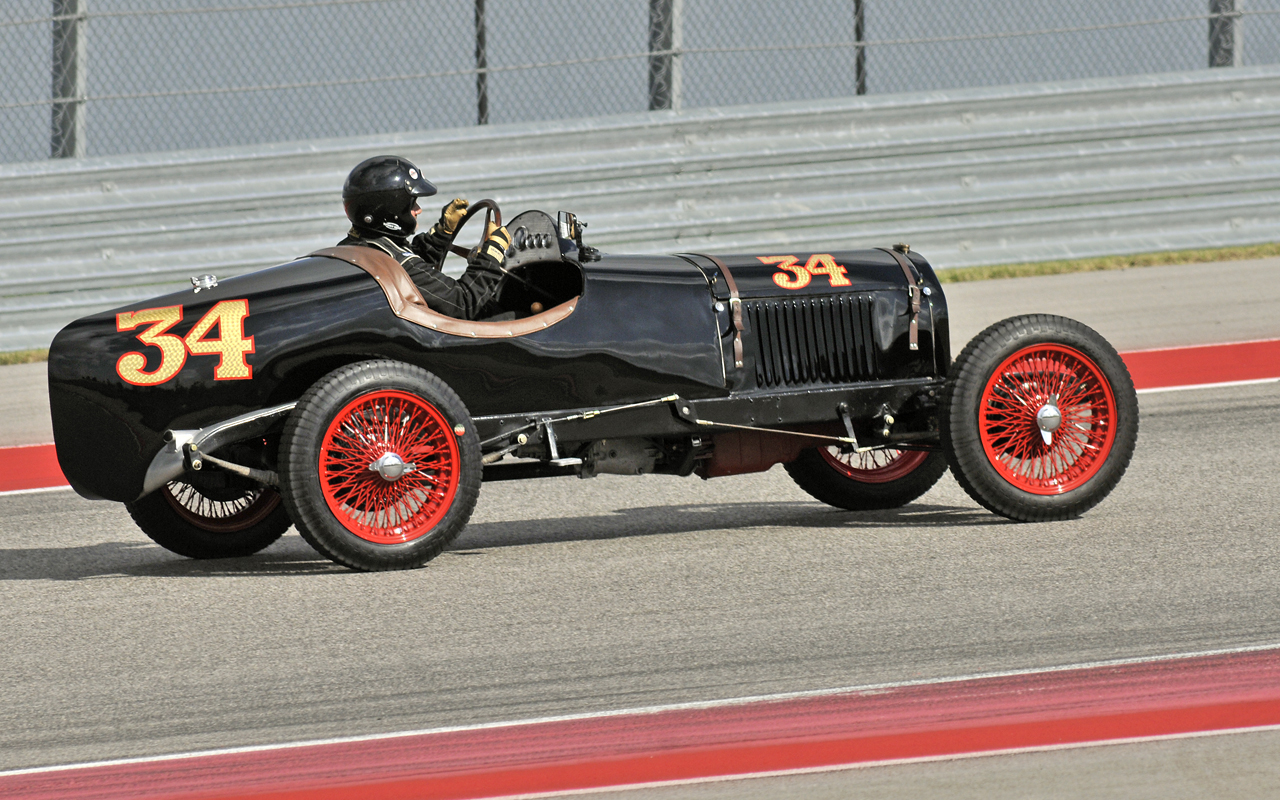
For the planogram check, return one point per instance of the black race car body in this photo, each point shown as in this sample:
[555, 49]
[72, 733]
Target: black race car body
[679, 364]
[641, 328]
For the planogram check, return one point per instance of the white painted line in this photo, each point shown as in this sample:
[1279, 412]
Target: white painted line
[1254, 382]
[705, 704]
[62, 488]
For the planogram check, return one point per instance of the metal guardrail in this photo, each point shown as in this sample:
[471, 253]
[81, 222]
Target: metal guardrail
[974, 176]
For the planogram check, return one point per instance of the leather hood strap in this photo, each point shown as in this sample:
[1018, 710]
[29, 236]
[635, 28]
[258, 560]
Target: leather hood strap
[735, 309]
[913, 290]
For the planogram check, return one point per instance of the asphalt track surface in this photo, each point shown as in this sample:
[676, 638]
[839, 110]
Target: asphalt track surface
[568, 596]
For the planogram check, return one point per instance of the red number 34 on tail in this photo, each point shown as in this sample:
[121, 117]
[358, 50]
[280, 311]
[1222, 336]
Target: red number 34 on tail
[231, 345]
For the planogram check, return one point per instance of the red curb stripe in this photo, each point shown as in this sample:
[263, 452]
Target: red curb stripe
[782, 757]
[1208, 364]
[954, 718]
[29, 467]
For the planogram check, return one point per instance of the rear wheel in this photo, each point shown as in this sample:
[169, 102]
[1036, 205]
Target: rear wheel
[1040, 418]
[211, 522]
[867, 481]
[380, 465]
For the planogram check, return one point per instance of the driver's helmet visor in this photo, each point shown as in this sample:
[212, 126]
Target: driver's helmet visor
[418, 185]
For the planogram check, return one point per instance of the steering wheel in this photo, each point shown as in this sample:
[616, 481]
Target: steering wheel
[491, 212]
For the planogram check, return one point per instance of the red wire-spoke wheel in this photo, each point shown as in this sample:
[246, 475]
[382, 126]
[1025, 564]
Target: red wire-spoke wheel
[221, 513]
[380, 465]
[1039, 418]
[875, 479]
[219, 516]
[874, 466]
[389, 467]
[1048, 419]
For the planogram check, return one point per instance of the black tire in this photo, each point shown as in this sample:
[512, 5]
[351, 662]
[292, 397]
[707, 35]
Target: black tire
[181, 518]
[355, 515]
[993, 443]
[875, 480]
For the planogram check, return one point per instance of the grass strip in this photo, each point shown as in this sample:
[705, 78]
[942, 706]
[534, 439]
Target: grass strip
[964, 274]
[23, 357]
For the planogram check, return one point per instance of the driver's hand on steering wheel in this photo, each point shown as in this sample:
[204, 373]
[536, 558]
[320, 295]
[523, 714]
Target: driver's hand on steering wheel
[450, 216]
[496, 242]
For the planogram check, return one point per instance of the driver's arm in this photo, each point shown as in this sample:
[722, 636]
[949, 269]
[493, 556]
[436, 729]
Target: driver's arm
[433, 245]
[467, 297]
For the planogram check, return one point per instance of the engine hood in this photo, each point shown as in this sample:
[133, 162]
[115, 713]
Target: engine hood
[810, 273]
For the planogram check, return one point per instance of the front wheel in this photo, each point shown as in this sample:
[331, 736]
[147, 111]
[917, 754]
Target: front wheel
[1039, 418]
[876, 479]
[380, 465]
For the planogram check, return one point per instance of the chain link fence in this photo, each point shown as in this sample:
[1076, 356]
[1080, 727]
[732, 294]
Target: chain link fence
[106, 77]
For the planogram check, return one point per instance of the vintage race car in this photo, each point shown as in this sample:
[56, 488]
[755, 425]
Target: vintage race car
[324, 393]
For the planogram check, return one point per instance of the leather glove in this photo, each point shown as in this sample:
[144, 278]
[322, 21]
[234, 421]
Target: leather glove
[496, 242]
[450, 216]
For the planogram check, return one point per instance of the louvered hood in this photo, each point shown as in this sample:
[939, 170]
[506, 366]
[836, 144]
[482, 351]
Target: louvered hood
[815, 319]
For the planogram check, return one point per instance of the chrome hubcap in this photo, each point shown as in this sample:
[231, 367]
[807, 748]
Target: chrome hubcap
[1049, 419]
[391, 467]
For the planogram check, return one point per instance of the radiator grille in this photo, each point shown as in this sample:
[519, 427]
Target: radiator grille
[812, 340]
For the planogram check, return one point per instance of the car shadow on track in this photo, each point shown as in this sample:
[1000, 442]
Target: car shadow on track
[692, 518]
[290, 556]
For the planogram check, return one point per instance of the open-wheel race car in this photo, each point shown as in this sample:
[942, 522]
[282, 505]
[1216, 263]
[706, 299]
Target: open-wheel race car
[324, 393]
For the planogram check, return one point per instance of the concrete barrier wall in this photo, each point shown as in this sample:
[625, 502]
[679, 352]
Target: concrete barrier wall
[976, 176]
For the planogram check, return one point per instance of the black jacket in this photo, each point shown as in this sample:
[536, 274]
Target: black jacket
[470, 297]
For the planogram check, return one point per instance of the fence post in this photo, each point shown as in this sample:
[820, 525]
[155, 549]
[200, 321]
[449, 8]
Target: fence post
[666, 37]
[66, 128]
[482, 66]
[1225, 45]
[859, 36]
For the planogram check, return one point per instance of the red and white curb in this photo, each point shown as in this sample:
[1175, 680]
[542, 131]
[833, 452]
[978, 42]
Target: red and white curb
[35, 467]
[30, 468]
[1171, 368]
[1129, 700]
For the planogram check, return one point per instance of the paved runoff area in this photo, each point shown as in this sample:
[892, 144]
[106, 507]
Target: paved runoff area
[1151, 620]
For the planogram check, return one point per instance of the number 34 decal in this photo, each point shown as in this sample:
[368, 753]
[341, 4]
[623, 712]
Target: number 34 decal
[818, 264]
[231, 345]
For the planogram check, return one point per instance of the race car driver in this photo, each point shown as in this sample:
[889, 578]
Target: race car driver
[381, 200]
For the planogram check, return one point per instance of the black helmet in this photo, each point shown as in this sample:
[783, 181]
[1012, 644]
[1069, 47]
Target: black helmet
[379, 194]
